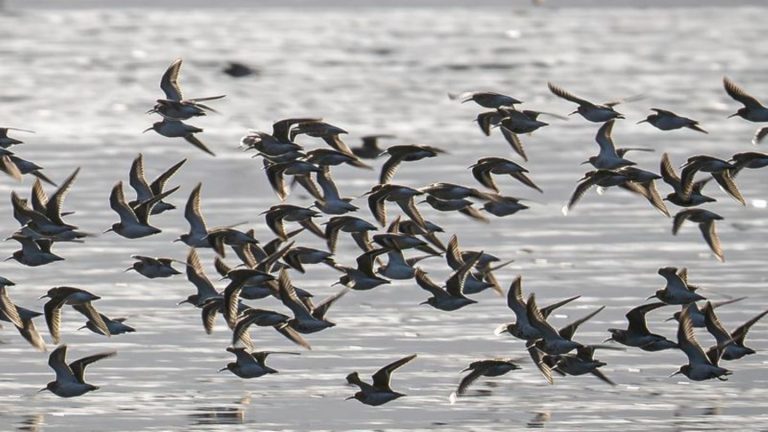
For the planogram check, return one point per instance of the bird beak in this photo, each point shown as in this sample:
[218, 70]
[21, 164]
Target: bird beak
[222, 369]
[669, 319]
[181, 302]
[351, 397]
[733, 115]
[82, 327]
[8, 259]
[128, 269]
[108, 231]
[610, 339]
[675, 374]
[584, 163]
[653, 296]
[575, 112]
[43, 296]
[642, 121]
[423, 303]
[147, 130]
[42, 390]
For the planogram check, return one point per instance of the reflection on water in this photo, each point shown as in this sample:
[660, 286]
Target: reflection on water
[31, 423]
[539, 420]
[217, 416]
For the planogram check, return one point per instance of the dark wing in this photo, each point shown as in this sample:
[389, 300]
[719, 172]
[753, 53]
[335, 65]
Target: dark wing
[538, 359]
[725, 179]
[169, 82]
[78, 366]
[514, 141]
[138, 180]
[469, 379]
[192, 139]
[158, 185]
[547, 310]
[710, 236]
[389, 168]
[740, 333]
[427, 284]
[568, 331]
[193, 214]
[636, 317]
[382, 377]
[567, 96]
[93, 316]
[57, 361]
[740, 95]
[53, 208]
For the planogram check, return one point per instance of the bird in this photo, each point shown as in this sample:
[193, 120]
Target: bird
[697, 315]
[7, 308]
[177, 129]
[33, 252]
[677, 290]
[700, 366]
[134, 222]
[81, 299]
[602, 178]
[380, 391]
[706, 220]
[731, 344]
[607, 159]
[70, 380]
[751, 160]
[277, 215]
[403, 196]
[369, 149]
[753, 110]
[404, 153]
[306, 318]
[27, 328]
[452, 297]
[593, 112]
[486, 99]
[583, 362]
[116, 326]
[667, 120]
[554, 342]
[152, 268]
[175, 106]
[145, 190]
[363, 277]
[332, 203]
[501, 206]
[251, 364]
[6, 141]
[203, 286]
[688, 197]
[637, 333]
[720, 170]
[483, 169]
[487, 368]
[351, 224]
[198, 231]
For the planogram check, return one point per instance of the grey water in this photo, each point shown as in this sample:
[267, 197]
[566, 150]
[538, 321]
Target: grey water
[82, 78]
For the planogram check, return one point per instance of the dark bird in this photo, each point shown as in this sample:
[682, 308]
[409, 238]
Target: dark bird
[70, 381]
[380, 391]
[667, 120]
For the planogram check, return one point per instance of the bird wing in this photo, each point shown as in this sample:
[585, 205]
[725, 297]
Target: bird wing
[687, 339]
[455, 283]
[38, 199]
[547, 311]
[196, 275]
[9, 309]
[118, 204]
[193, 215]
[158, 184]
[725, 179]
[78, 366]
[427, 284]
[740, 333]
[604, 140]
[710, 236]
[192, 139]
[515, 299]
[514, 142]
[321, 308]
[290, 299]
[714, 326]
[679, 218]
[169, 82]
[636, 317]
[53, 207]
[568, 331]
[93, 316]
[389, 168]
[453, 254]
[565, 95]
[381, 378]
[57, 362]
[740, 95]
[476, 373]
[537, 320]
[538, 359]
[138, 181]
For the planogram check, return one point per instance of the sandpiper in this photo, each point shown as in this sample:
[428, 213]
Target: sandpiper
[174, 106]
[731, 344]
[590, 111]
[403, 196]
[177, 129]
[452, 297]
[33, 252]
[720, 170]
[752, 160]
[357, 227]
[380, 391]
[602, 178]
[27, 328]
[488, 368]
[265, 318]
[370, 146]
[152, 268]
[501, 206]
[681, 196]
[583, 362]
[404, 153]
[7, 308]
[70, 379]
[307, 319]
[251, 364]
[753, 110]
[637, 333]
[706, 220]
[332, 203]
[363, 277]
[677, 290]
[483, 169]
[59, 296]
[554, 342]
[697, 315]
[486, 99]
[667, 120]
[116, 326]
[607, 159]
[203, 285]
[134, 222]
[700, 367]
[278, 214]
[144, 190]
[327, 132]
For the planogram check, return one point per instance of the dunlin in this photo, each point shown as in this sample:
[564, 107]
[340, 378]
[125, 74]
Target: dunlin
[667, 120]
[70, 380]
[380, 391]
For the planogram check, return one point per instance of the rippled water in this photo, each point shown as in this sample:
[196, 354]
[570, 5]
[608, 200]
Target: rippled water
[83, 79]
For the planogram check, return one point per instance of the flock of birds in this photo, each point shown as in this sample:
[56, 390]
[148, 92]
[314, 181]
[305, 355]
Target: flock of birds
[265, 267]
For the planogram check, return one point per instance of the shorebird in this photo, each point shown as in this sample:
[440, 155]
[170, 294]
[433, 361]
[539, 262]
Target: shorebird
[116, 326]
[370, 146]
[174, 106]
[198, 231]
[299, 169]
[583, 362]
[403, 196]
[134, 222]
[33, 252]
[76, 297]
[677, 290]
[483, 169]
[731, 344]
[329, 157]
[238, 279]
[46, 219]
[146, 191]
[554, 342]
[706, 220]
[70, 381]
[486, 99]
[307, 318]
[501, 206]
[607, 159]
[643, 183]
[278, 214]
[357, 227]
[363, 277]
[461, 205]
[26, 327]
[6, 141]
[590, 111]
[203, 285]
[332, 203]
[23, 167]
[522, 327]
[682, 197]
[177, 129]
[327, 132]
[264, 318]
[751, 160]
[404, 153]
[700, 366]
[251, 364]
[7, 308]
[602, 178]
[297, 256]
[380, 391]
[753, 110]
[697, 315]
[667, 120]
[637, 333]
[487, 368]
[153, 267]
[456, 260]
[720, 170]
[452, 297]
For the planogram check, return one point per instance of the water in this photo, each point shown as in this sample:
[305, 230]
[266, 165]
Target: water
[83, 78]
